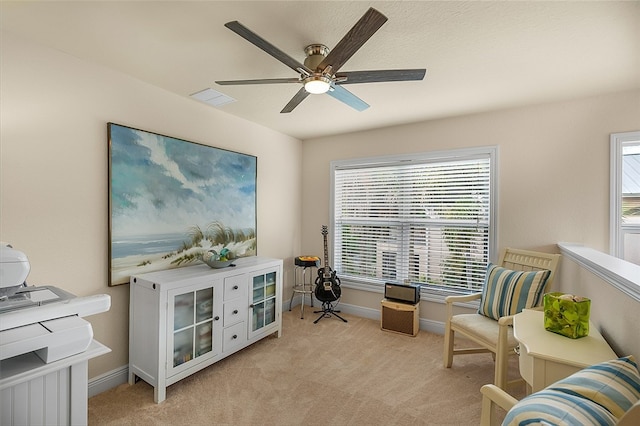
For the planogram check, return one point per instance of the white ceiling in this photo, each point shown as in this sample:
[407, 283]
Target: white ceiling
[479, 56]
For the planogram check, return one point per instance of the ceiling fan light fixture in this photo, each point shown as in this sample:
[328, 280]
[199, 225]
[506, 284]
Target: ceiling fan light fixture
[317, 84]
[319, 71]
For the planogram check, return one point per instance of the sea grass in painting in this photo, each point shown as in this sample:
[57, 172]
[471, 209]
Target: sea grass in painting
[172, 200]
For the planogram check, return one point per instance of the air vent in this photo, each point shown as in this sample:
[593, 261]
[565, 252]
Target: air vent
[212, 97]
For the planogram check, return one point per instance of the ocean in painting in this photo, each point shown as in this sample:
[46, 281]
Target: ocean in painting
[147, 244]
[165, 191]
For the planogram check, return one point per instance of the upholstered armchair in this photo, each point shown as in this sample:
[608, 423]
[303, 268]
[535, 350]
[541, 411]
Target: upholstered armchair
[517, 281]
[603, 394]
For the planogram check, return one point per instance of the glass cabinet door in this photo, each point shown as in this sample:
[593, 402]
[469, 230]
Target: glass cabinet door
[193, 330]
[264, 300]
[204, 317]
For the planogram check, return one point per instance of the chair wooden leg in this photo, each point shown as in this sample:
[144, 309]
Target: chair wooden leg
[492, 399]
[448, 346]
[501, 372]
[502, 363]
[487, 413]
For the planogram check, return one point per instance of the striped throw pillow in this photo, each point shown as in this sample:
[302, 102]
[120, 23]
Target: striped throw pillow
[506, 292]
[596, 395]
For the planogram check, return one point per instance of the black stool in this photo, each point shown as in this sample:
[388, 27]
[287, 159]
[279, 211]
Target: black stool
[304, 274]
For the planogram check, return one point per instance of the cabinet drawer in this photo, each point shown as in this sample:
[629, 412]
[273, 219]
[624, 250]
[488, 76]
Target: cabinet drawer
[233, 336]
[235, 287]
[235, 311]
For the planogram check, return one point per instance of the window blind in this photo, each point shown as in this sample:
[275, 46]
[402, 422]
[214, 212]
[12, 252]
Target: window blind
[423, 222]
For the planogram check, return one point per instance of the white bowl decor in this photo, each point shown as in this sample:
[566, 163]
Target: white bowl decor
[218, 260]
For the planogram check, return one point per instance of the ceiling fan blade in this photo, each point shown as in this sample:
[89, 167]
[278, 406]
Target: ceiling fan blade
[343, 95]
[380, 76]
[263, 44]
[295, 101]
[260, 81]
[370, 22]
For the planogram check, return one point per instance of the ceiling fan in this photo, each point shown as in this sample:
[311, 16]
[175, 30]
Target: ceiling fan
[320, 71]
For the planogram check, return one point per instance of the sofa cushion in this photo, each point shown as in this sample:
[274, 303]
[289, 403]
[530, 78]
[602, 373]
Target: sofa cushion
[507, 292]
[597, 395]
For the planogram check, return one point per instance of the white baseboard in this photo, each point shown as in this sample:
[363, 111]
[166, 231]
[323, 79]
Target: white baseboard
[108, 380]
[431, 326]
[120, 375]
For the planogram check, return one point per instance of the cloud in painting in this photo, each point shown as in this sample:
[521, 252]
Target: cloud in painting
[161, 184]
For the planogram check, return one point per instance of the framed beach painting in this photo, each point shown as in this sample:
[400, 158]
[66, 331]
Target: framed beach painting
[172, 201]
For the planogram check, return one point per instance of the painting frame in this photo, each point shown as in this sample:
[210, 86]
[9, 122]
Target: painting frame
[172, 201]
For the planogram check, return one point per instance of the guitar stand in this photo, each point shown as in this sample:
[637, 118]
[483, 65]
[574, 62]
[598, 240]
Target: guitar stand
[327, 311]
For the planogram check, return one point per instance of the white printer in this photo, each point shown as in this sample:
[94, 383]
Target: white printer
[45, 320]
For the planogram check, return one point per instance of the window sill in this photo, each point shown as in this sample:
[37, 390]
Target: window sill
[623, 275]
[426, 295]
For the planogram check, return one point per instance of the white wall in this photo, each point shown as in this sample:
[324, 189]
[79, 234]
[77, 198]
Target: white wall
[614, 314]
[554, 174]
[553, 179]
[54, 171]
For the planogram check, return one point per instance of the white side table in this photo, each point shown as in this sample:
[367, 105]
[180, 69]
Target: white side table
[547, 357]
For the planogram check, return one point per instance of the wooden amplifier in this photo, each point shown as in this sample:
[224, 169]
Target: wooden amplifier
[400, 318]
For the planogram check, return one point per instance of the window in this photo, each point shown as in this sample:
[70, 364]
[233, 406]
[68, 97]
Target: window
[625, 196]
[422, 218]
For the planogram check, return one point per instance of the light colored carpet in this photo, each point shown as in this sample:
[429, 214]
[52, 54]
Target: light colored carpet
[316, 374]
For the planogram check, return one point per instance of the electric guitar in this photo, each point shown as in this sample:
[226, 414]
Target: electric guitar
[327, 283]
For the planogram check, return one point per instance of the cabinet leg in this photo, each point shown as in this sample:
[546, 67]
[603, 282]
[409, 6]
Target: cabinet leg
[159, 394]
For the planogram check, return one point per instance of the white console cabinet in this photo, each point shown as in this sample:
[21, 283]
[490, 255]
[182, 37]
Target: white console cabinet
[183, 320]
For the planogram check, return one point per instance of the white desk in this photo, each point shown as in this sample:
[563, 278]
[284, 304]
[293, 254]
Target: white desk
[547, 357]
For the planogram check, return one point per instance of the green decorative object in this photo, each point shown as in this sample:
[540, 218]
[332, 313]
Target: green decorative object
[567, 314]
